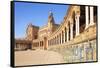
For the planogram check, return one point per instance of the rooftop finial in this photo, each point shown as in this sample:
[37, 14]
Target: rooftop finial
[30, 24]
[50, 13]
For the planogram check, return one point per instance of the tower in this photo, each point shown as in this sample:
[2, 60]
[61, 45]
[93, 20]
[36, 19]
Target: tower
[51, 22]
[32, 32]
[50, 19]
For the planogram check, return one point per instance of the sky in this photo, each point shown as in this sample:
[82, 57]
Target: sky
[37, 14]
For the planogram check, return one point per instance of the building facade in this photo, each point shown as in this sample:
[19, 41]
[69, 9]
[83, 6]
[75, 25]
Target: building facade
[77, 33]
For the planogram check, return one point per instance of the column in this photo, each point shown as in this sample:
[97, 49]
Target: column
[64, 36]
[48, 42]
[71, 31]
[54, 40]
[91, 16]
[61, 37]
[15, 45]
[77, 24]
[57, 39]
[18, 46]
[39, 43]
[67, 34]
[87, 17]
[51, 41]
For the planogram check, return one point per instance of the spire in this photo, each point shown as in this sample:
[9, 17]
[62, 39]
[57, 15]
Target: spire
[50, 13]
[50, 18]
[30, 24]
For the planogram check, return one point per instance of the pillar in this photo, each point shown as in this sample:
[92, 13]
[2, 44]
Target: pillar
[51, 41]
[15, 45]
[77, 24]
[39, 43]
[67, 34]
[61, 37]
[48, 42]
[91, 16]
[87, 17]
[57, 40]
[71, 30]
[64, 36]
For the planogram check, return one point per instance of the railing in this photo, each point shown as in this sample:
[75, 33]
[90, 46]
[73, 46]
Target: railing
[82, 28]
[86, 35]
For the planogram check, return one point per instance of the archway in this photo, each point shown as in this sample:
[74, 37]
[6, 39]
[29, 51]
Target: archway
[82, 19]
[65, 34]
[69, 30]
[29, 46]
[74, 24]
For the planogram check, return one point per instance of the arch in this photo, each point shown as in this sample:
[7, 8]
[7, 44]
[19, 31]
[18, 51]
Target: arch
[69, 30]
[74, 24]
[95, 14]
[65, 34]
[62, 37]
[51, 41]
[82, 19]
[57, 39]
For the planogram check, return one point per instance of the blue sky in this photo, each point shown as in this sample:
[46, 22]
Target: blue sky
[37, 14]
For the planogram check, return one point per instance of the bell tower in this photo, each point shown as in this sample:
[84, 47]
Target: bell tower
[50, 19]
[51, 22]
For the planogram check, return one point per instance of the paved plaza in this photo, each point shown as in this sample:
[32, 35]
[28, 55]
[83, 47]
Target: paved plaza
[36, 57]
